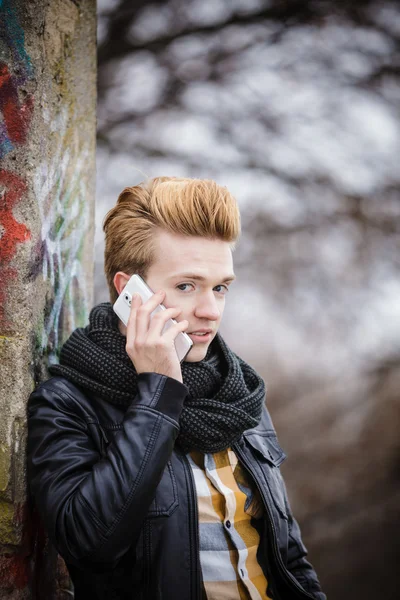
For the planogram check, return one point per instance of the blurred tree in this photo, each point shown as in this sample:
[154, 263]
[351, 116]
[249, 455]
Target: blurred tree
[294, 105]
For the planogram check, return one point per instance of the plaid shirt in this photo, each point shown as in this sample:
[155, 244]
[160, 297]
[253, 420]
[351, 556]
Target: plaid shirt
[228, 541]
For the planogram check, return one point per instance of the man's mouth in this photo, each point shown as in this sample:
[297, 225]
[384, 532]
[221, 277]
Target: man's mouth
[201, 336]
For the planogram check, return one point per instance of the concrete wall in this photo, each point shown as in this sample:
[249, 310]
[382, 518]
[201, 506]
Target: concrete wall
[47, 153]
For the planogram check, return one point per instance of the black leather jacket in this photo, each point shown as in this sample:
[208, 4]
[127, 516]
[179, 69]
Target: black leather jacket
[119, 503]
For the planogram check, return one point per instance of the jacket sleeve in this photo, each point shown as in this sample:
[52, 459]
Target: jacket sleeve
[297, 564]
[92, 506]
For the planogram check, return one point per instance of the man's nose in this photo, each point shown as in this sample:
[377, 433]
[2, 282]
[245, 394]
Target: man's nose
[207, 308]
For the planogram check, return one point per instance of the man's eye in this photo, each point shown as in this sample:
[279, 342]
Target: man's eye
[183, 285]
[224, 289]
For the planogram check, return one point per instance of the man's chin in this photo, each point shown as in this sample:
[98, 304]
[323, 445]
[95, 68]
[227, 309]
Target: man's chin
[197, 353]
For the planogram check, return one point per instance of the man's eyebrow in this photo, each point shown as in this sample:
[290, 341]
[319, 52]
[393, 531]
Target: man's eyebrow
[199, 277]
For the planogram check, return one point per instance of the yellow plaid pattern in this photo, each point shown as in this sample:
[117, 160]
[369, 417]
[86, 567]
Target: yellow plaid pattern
[228, 541]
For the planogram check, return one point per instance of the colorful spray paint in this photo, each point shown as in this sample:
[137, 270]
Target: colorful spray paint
[61, 191]
[47, 149]
[14, 127]
[12, 190]
[16, 113]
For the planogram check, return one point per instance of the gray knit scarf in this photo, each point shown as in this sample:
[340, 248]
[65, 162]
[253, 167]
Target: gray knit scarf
[225, 396]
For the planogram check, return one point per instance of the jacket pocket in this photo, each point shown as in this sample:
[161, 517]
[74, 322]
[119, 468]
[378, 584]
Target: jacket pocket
[166, 498]
[270, 456]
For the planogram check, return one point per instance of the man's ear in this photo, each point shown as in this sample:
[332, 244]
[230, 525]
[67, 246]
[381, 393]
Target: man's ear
[120, 280]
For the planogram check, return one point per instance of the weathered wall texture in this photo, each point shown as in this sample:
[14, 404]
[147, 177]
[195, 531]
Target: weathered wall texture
[47, 150]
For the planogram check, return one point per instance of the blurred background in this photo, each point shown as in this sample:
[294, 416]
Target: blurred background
[294, 106]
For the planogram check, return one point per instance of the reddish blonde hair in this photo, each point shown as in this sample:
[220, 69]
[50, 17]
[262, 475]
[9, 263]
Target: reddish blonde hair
[193, 207]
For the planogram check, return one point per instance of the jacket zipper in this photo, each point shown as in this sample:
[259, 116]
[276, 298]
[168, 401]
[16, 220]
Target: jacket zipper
[194, 526]
[146, 557]
[287, 576]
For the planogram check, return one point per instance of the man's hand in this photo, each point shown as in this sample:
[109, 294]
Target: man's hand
[149, 349]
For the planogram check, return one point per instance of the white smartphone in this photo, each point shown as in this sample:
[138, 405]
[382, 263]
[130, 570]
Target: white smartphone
[122, 307]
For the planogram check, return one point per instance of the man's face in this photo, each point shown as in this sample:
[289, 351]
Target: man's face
[195, 274]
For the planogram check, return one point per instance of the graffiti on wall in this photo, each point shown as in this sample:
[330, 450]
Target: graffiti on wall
[12, 189]
[17, 114]
[57, 185]
[16, 103]
[16, 108]
[60, 189]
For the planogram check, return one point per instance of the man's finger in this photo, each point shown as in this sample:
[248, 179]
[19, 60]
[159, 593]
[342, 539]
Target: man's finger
[131, 325]
[159, 320]
[175, 329]
[144, 312]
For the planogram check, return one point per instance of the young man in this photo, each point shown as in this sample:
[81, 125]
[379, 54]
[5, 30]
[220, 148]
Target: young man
[156, 479]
